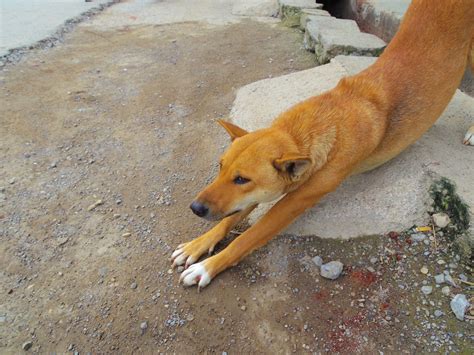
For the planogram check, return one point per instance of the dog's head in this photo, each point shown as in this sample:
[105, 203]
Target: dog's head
[258, 167]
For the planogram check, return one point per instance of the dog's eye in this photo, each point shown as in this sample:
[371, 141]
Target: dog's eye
[239, 180]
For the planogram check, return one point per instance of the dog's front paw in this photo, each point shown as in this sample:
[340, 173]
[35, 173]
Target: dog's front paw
[196, 274]
[469, 137]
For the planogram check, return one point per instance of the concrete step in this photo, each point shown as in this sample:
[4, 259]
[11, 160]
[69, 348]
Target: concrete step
[393, 197]
[306, 14]
[329, 37]
[290, 10]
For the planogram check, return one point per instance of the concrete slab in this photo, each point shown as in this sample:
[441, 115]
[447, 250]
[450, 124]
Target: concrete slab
[392, 197]
[306, 15]
[330, 37]
[290, 10]
[25, 22]
[256, 8]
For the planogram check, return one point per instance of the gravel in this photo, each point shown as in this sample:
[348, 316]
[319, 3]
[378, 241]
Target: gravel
[331, 270]
[439, 279]
[318, 261]
[441, 220]
[27, 345]
[459, 305]
[427, 289]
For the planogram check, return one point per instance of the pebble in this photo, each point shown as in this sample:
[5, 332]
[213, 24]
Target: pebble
[27, 345]
[243, 308]
[318, 261]
[438, 313]
[190, 318]
[418, 237]
[373, 260]
[95, 204]
[449, 280]
[424, 270]
[180, 269]
[446, 290]
[11, 182]
[125, 235]
[144, 325]
[441, 220]
[459, 305]
[462, 277]
[133, 286]
[331, 270]
[439, 279]
[427, 289]
[441, 262]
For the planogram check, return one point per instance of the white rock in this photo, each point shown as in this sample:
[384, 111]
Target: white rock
[439, 279]
[427, 289]
[331, 270]
[441, 220]
[459, 305]
[318, 261]
[446, 290]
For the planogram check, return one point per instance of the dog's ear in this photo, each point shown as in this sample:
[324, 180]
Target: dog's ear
[293, 166]
[233, 130]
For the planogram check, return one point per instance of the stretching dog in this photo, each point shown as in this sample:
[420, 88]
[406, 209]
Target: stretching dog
[366, 120]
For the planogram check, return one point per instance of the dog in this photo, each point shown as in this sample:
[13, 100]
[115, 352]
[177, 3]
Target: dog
[365, 121]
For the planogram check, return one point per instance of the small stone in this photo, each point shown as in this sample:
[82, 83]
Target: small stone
[331, 270]
[11, 182]
[446, 290]
[373, 260]
[424, 270]
[243, 308]
[449, 280]
[438, 313]
[190, 318]
[180, 269]
[27, 345]
[439, 279]
[95, 204]
[418, 237]
[143, 326]
[441, 220]
[459, 305]
[462, 277]
[318, 261]
[427, 289]
[133, 286]
[125, 235]
[441, 262]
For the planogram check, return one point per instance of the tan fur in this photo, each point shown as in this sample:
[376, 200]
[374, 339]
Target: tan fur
[365, 121]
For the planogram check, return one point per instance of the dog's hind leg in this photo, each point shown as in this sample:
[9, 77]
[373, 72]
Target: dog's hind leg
[188, 253]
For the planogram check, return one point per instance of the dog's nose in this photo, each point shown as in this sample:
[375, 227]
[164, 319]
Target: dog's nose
[199, 209]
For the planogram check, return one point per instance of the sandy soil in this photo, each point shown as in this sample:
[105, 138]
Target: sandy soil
[127, 117]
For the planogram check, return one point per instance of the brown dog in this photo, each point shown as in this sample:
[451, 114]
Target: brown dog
[310, 149]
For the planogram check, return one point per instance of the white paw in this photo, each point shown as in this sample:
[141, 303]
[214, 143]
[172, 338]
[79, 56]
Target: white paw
[195, 274]
[180, 257]
[469, 137]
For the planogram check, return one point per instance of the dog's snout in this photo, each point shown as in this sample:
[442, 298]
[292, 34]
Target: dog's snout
[199, 209]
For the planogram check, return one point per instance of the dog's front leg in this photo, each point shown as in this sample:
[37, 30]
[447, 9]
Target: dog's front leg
[188, 253]
[279, 217]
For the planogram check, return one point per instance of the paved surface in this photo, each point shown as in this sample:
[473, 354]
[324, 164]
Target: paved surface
[25, 22]
[392, 197]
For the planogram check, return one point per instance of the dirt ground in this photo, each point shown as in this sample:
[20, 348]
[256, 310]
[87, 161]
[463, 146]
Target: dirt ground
[105, 140]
